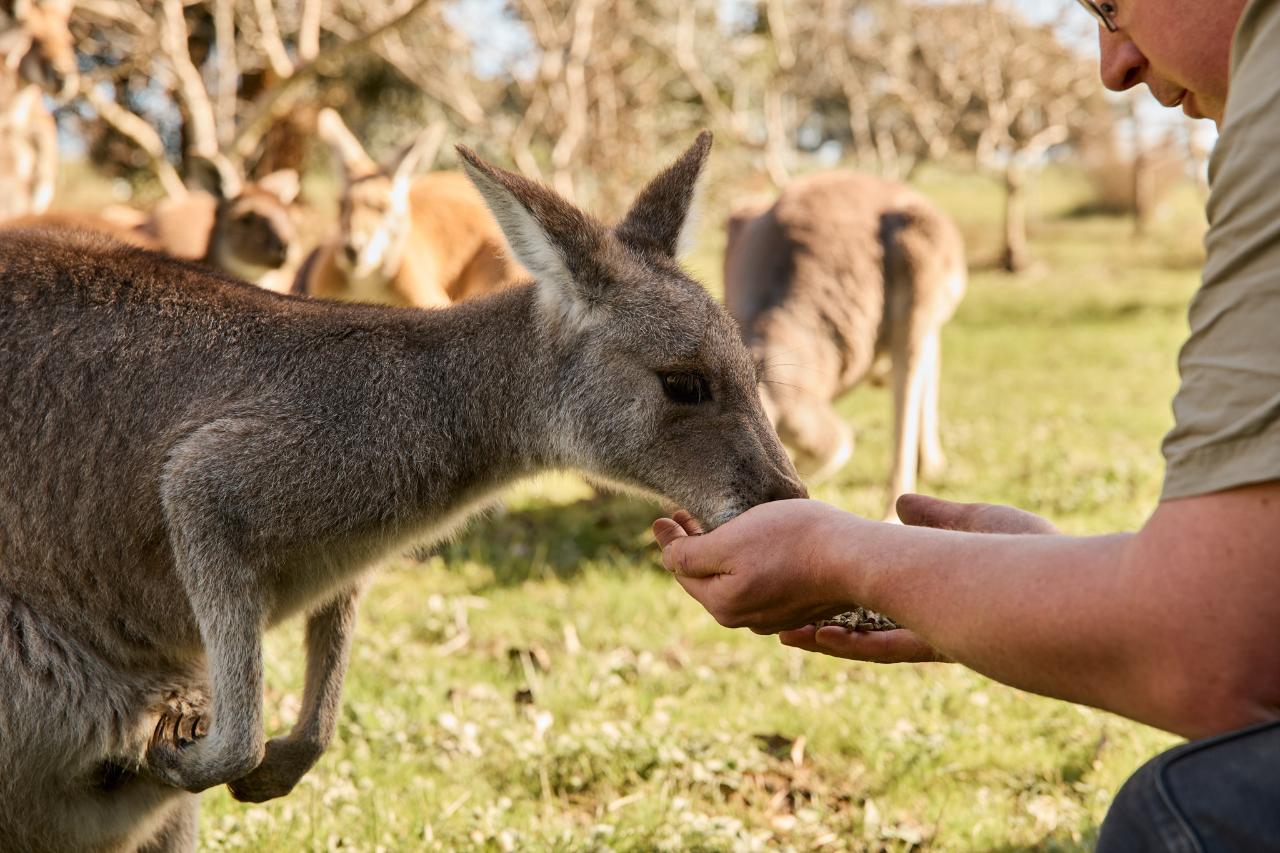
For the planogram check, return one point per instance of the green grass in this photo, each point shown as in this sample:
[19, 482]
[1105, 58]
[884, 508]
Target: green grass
[542, 684]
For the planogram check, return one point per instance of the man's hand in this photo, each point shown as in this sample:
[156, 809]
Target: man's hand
[766, 570]
[924, 511]
[897, 646]
[902, 645]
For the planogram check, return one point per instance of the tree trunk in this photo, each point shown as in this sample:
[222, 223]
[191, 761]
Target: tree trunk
[1014, 258]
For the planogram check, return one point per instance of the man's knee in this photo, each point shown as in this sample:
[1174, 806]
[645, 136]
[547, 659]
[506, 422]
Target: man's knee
[1216, 794]
[1140, 818]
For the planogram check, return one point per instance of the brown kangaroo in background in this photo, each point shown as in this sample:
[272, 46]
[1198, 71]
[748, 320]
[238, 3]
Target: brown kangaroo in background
[61, 221]
[427, 241]
[186, 460]
[841, 272]
[241, 227]
[248, 235]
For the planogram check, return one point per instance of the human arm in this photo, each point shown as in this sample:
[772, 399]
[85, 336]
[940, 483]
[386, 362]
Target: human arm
[1177, 626]
[902, 645]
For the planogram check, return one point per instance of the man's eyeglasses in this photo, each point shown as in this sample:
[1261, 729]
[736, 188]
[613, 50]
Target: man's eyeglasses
[1104, 12]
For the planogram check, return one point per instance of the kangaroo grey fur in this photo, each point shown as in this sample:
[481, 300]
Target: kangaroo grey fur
[842, 272]
[186, 460]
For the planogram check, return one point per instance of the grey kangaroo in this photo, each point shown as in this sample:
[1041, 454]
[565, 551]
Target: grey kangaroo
[186, 460]
[842, 273]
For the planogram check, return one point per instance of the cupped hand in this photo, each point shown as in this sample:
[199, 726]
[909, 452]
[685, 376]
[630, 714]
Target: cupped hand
[767, 570]
[897, 646]
[902, 645]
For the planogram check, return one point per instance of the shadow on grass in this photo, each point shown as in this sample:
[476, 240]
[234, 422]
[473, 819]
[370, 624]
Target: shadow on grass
[558, 540]
[1076, 314]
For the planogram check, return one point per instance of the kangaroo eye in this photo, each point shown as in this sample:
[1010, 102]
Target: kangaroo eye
[685, 388]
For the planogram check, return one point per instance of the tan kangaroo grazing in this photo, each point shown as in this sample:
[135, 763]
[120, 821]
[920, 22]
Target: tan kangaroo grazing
[841, 272]
[244, 228]
[186, 460]
[427, 241]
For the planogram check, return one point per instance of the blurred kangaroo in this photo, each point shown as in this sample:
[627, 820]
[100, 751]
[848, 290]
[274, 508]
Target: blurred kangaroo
[427, 241]
[241, 227]
[62, 221]
[187, 460]
[248, 235]
[37, 54]
[844, 271]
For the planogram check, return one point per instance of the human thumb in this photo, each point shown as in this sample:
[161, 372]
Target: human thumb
[685, 555]
[926, 511]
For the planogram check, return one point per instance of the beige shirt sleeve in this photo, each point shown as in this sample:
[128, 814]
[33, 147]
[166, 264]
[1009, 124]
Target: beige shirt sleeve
[1227, 411]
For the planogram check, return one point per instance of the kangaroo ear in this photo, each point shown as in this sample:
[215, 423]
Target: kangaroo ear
[346, 149]
[215, 175]
[283, 184]
[661, 216]
[555, 241]
[418, 154]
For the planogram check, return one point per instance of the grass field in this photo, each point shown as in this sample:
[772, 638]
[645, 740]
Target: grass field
[542, 684]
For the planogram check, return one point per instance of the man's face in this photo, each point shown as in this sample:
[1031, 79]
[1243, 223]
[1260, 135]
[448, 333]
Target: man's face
[1180, 48]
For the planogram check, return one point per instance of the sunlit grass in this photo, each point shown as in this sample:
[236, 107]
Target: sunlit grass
[541, 684]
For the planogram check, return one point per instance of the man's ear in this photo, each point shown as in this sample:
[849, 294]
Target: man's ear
[560, 245]
[661, 217]
[346, 149]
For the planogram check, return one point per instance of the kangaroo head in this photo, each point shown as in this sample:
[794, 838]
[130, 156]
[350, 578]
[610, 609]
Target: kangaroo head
[373, 214]
[253, 227]
[36, 41]
[656, 391]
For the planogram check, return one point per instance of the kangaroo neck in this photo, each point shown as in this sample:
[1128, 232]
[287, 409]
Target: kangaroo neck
[485, 386]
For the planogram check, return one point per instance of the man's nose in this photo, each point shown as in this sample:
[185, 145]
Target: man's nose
[1121, 63]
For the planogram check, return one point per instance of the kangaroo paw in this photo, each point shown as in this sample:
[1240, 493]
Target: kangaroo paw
[180, 725]
[286, 761]
[183, 754]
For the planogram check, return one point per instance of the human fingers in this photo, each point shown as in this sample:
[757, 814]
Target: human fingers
[666, 531]
[686, 553]
[926, 511]
[896, 646]
[688, 522]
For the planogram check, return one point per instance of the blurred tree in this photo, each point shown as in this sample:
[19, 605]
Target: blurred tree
[218, 79]
[590, 95]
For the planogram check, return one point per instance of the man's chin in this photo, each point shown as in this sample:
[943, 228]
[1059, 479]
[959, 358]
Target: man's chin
[1190, 107]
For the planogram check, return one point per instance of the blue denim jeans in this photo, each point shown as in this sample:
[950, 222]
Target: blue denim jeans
[1217, 794]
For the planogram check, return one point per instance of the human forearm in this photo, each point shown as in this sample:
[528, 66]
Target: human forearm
[1106, 621]
[1177, 626]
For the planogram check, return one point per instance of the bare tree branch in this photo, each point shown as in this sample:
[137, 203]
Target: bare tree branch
[576, 96]
[137, 131]
[191, 88]
[309, 31]
[271, 41]
[255, 123]
[228, 69]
